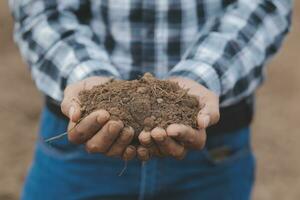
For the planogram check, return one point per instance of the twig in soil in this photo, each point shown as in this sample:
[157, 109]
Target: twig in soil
[124, 168]
[153, 91]
[57, 137]
[76, 101]
[163, 90]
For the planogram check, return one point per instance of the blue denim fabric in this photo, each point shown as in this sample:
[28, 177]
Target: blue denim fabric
[62, 171]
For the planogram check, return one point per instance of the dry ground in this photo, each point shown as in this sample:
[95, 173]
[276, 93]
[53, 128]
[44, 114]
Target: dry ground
[275, 131]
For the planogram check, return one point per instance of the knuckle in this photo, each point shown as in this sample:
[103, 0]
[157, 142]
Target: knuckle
[117, 124]
[95, 127]
[93, 148]
[122, 141]
[75, 137]
[119, 152]
[79, 132]
[113, 153]
[113, 127]
[121, 124]
[107, 138]
[127, 134]
[181, 155]
[143, 154]
[102, 117]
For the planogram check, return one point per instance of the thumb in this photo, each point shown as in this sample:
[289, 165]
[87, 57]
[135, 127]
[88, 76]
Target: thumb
[208, 115]
[74, 112]
[70, 104]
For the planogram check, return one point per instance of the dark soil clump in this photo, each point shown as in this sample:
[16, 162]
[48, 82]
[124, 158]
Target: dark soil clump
[142, 104]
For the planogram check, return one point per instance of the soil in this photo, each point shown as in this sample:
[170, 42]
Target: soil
[142, 104]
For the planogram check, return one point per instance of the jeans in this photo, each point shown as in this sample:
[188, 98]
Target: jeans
[224, 170]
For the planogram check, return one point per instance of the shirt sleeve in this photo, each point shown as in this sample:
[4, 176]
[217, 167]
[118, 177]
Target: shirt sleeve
[229, 57]
[58, 44]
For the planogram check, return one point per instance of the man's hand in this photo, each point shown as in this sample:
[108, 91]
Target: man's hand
[96, 131]
[178, 138]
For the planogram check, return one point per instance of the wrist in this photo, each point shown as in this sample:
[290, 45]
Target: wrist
[200, 72]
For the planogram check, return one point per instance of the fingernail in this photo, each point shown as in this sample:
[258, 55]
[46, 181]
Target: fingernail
[206, 120]
[71, 112]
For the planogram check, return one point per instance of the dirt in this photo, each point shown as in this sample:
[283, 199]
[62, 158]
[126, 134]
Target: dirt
[275, 129]
[142, 104]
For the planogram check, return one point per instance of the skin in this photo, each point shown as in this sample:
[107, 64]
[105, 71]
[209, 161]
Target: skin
[177, 139]
[96, 131]
[111, 138]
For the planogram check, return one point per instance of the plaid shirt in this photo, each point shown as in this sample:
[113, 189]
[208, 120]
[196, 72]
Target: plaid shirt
[222, 44]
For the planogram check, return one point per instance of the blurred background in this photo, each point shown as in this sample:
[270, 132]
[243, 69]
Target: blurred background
[276, 129]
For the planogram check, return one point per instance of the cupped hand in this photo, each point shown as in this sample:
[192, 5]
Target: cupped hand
[177, 139]
[96, 131]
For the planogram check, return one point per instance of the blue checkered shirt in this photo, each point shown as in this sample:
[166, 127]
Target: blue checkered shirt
[222, 44]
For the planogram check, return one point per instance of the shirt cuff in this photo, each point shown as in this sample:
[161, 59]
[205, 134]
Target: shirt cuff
[199, 72]
[92, 68]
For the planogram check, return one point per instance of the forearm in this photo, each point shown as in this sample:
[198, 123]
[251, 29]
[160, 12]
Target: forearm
[58, 48]
[229, 58]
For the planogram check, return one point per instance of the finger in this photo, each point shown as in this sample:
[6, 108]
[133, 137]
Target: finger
[71, 125]
[145, 138]
[209, 114]
[70, 105]
[129, 153]
[122, 142]
[203, 120]
[155, 151]
[143, 153]
[147, 141]
[167, 144]
[190, 137]
[88, 127]
[103, 139]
